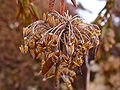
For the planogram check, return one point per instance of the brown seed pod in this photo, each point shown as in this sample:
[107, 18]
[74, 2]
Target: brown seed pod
[62, 42]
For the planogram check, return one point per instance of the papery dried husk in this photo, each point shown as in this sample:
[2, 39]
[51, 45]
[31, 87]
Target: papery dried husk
[61, 42]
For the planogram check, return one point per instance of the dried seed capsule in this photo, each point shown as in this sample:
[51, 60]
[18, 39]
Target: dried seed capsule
[44, 17]
[25, 49]
[32, 52]
[21, 48]
[26, 31]
[60, 39]
[32, 43]
[38, 55]
[72, 73]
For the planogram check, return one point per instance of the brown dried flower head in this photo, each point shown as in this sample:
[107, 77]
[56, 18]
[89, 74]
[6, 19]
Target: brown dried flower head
[60, 43]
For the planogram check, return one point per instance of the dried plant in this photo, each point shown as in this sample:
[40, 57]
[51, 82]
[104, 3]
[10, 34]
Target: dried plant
[105, 21]
[60, 43]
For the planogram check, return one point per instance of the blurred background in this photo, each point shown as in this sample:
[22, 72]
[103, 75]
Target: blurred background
[19, 72]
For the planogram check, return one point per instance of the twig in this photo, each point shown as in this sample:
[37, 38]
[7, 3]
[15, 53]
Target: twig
[88, 71]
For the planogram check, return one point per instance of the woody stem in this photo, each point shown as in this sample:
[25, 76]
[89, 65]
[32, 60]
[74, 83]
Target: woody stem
[51, 5]
[62, 7]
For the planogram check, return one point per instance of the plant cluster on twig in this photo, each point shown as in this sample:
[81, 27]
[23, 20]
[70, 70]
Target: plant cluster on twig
[60, 42]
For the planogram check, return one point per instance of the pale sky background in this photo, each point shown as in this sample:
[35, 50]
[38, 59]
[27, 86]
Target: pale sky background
[93, 5]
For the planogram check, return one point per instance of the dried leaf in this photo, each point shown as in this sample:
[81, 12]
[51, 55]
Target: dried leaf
[32, 43]
[44, 17]
[26, 32]
[21, 48]
[26, 49]
[78, 62]
[32, 52]
[46, 67]
[57, 73]
[38, 55]
[71, 49]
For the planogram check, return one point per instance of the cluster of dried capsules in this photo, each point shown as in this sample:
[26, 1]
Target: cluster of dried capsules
[60, 43]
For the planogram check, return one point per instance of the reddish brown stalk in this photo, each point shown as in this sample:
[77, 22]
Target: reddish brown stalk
[51, 5]
[62, 7]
